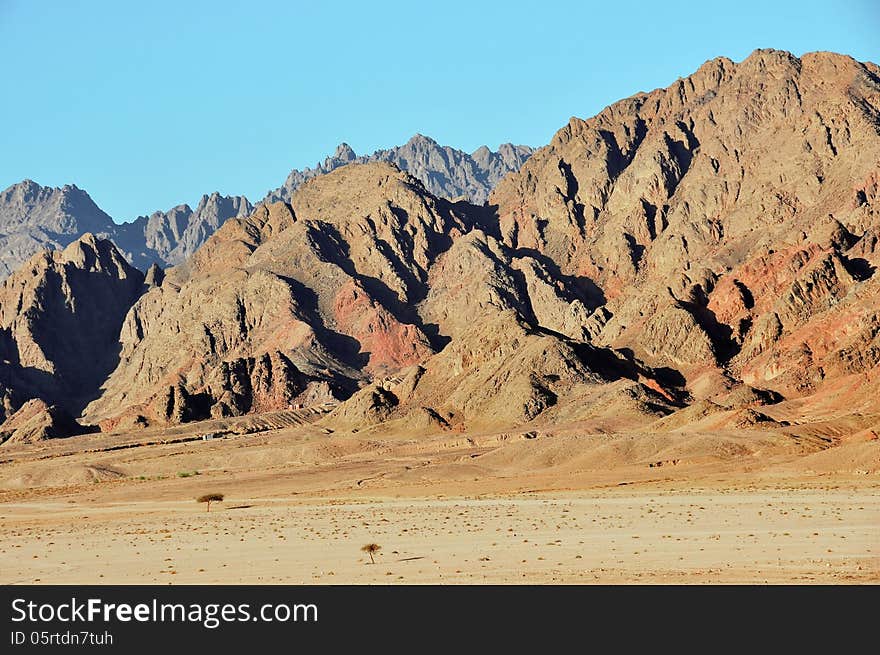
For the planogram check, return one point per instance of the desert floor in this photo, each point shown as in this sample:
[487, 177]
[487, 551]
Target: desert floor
[567, 508]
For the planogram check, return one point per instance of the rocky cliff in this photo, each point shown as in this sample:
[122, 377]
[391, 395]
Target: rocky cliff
[728, 221]
[60, 316]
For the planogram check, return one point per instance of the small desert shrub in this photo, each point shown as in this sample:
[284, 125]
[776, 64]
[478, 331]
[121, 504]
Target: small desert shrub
[370, 549]
[186, 474]
[210, 498]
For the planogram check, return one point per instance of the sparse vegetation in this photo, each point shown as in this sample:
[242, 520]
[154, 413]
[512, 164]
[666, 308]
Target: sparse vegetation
[186, 474]
[371, 549]
[210, 498]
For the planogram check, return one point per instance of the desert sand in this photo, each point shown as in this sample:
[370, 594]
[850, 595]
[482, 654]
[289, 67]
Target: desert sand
[532, 508]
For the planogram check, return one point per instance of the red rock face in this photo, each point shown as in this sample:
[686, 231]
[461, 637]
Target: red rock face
[752, 289]
[389, 344]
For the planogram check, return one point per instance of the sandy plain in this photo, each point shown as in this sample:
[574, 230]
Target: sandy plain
[569, 507]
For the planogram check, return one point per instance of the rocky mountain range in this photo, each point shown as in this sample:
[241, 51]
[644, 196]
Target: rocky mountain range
[690, 254]
[168, 238]
[445, 172]
[33, 217]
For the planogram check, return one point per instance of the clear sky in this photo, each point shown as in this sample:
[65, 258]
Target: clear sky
[150, 104]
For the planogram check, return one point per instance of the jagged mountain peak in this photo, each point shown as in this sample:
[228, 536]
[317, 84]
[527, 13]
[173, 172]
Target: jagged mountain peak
[34, 217]
[421, 139]
[445, 171]
[344, 152]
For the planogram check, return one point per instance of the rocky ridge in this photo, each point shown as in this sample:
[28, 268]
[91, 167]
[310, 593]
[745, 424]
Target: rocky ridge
[728, 220]
[60, 316]
[33, 217]
[445, 171]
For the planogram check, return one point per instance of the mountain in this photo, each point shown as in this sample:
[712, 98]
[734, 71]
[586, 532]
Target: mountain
[34, 218]
[60, 316]
[685, 257]
[168, 238]
[359, 279]
[445, 172]
[730, 221]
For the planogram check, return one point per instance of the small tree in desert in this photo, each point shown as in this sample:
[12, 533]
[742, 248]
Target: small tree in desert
[209, 498]
[371, 549]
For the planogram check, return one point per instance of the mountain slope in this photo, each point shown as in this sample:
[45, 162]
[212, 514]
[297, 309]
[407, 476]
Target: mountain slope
[354, 282]
[730, 221]
[60, 316]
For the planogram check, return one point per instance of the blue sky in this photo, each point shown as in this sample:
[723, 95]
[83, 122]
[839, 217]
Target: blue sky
[150, 104]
